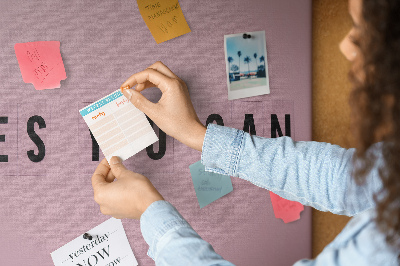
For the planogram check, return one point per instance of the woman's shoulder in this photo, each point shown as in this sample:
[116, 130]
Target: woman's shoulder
[363, 238]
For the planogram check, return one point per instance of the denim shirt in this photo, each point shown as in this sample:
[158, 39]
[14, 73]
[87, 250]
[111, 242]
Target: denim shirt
[312, 173]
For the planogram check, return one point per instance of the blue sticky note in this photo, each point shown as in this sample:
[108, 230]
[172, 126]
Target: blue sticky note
[209, 186]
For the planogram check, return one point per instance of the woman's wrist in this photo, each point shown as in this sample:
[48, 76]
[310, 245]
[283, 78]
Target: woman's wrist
[196, 136]
[201, 135]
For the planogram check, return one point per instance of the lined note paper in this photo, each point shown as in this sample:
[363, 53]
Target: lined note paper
[118, 126]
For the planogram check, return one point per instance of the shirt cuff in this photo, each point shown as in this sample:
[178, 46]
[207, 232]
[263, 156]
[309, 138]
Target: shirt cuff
[222, 148]
[159, 218]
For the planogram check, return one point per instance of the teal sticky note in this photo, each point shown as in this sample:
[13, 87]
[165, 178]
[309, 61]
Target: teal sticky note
[209, 186]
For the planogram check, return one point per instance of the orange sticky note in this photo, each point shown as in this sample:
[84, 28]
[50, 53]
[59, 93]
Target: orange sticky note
[41, 64]
[164, 18]
[284, 209]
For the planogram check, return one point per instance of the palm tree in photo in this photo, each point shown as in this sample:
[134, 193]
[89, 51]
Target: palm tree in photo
[230, 60]
[247, 60]
[239, 55]
[255, 58]
[262, 59]
[261, 68]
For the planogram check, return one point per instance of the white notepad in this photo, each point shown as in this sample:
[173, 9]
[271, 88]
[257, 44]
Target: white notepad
[108, 246]
[118, 126]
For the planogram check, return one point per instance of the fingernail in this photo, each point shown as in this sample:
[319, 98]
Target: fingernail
[129, 92]
[125, 88]
[115, 160]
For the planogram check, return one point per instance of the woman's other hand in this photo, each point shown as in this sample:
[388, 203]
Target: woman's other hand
[128, 196]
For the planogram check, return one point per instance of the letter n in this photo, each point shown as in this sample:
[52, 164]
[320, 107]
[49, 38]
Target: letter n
[275, 126]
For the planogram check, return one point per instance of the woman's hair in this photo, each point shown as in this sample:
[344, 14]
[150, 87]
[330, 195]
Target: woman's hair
[375, 103]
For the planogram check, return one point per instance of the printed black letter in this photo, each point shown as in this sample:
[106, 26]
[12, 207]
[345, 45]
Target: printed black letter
[3, 120]
[162, 145]
[215, 117]
[249, 126]
[276, 127]
[35, 138]
[95, 148]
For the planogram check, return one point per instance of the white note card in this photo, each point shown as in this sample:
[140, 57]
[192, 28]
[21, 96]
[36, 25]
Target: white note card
[118, 126]
[109, 247]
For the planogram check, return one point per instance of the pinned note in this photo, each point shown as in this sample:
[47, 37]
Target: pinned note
[108, 245]
[288, 211]
[41, 64]
[164, 18]
[209, 186]
[118, 126]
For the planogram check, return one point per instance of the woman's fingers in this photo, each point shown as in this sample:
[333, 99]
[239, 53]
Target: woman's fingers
[157, 66]
[110, 177]
[143, 86]
[174, 111]
[159, 80]
[160, 67]
[141, 102]
[100, 174]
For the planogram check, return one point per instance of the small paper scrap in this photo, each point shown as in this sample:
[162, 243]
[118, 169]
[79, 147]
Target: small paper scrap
[118, 126]
[108, 246]
[164, 19]
[209, 186]
[288, 211]
[41, 64]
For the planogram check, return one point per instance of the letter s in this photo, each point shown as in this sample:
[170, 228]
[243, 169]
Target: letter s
[35, 138]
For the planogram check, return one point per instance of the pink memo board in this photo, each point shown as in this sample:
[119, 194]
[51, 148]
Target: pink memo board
[45, 204]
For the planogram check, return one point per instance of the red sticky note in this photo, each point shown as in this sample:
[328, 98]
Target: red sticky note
[41, 64]
[284, 209]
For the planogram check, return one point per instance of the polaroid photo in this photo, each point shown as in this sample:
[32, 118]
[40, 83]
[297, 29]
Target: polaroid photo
[246, 64]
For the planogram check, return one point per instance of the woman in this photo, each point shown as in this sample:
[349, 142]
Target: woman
[316, 174]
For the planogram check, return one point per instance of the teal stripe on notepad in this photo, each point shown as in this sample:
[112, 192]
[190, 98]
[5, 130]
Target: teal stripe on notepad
[100, 103]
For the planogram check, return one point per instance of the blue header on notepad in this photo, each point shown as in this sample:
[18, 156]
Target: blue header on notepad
[102, 102]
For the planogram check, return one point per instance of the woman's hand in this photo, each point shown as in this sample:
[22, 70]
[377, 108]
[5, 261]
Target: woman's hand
[127, 197]
[174, 112]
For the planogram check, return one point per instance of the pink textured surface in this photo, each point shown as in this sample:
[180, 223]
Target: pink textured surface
[46, 204]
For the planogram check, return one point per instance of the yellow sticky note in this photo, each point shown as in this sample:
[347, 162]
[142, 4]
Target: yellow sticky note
[164, 18]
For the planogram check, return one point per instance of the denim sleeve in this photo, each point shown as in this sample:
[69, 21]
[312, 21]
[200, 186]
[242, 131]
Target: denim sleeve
[172, 241]
[315, 174]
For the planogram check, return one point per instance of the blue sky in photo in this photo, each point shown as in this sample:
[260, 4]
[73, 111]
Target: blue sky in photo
[248, 47]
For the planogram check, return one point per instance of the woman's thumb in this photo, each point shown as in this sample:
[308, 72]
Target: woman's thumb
[116, 166]
[138, 100]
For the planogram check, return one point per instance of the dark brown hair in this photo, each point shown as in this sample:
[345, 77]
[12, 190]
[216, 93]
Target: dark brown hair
[375, 103]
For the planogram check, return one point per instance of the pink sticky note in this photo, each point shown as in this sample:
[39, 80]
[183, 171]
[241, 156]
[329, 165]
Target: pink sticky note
[284, 209]
[41, 64]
